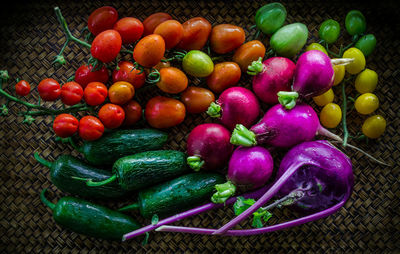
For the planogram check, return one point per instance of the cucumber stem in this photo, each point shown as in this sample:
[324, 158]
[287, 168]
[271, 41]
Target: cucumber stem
[46, 201]
[43, 161]
[241, 136]
[134, 206]
[101, 183]
[214, 110]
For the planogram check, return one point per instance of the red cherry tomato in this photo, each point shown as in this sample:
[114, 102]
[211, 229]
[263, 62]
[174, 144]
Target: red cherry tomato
[172, 80]
[149, 51]
[225, 38]
[164, 112]
[90, 128]
[71, 93]
[225, 75]
[65, 125]
[171, 31]
[133, 113]
[247, 53]
[102, 19]
[128, 73]
[197, 99]
[130, 29]
[84, 75]
[22, 88]
[95, 93]
[49, 89]
[111, 115]
[152, 21]
[106, 46]
[195, 33]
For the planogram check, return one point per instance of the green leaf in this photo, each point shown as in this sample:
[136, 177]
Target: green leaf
[259, 216]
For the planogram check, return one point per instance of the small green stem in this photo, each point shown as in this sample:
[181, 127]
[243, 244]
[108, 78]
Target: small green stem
[287, 99]
[126, 51]
[45, 201]
[224, 191]
[195, 162]
[153, 77]
[344, 108]
[134, 206]
[242, 136]
[42, 161]
[255, 67]
[214, 110]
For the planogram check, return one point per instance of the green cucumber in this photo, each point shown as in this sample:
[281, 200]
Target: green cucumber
[90, 219]
[144, 169]
[176, 195]
[65, 170]
[116, 144]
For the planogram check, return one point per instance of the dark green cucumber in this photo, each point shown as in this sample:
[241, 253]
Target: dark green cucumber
[176, 195]
[116, 144]
[90, 219]
[65, 170]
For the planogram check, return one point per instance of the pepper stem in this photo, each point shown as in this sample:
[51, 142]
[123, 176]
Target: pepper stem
[241, 136]
[43, 161]
[214, 110]
[287, 99]
[46, 201]
[90, 183]
[195, 162]
[255, 67]
[224, 191]
[130, 207]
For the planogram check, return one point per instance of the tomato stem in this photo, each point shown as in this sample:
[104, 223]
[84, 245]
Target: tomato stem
[153, 77]
[344, 124]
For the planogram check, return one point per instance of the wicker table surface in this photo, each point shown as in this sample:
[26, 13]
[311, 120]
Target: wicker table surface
[30, 36]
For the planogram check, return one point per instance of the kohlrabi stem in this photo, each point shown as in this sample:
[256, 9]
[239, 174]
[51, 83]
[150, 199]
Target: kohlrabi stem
[130, 207]
[214, 110]
[46, 201]
[342, 61]
[195, 162]
[324, 132]
[344, 108]
[288, 99]
[42, 161]
[241, 136]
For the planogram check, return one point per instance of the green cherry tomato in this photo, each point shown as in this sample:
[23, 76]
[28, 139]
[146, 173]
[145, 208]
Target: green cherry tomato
[366, 103]
[270, 17]
[366, 44]
[374, 126]
[366, 81]
[329, 31]
[289, 39]
[355, 22]
[316, 46]
[197, 64]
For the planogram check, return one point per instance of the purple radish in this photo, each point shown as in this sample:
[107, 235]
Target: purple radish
[273, 75]
[236, 105]
[313, 76]
[281, 127]
[314, 176]
[208, 147]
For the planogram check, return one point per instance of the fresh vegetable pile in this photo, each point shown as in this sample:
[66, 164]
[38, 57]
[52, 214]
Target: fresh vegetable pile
[101, 113]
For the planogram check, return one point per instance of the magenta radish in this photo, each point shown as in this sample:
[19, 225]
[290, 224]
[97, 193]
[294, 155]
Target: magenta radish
[248, 166]
[313, 76]
[236, 105]
[281, 127]
[273, 75]
[208, 147]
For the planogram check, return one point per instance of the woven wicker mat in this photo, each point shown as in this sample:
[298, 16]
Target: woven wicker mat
[29, 39]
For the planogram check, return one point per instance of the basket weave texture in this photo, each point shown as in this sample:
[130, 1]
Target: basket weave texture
[30, 37]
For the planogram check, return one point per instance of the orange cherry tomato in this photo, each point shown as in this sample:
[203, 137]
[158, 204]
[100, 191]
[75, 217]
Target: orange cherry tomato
[225, 75]
[106, 46]
[121, 92]
[149, 50]
[127, 72]
[49, 89]
[171, 31]
[152, 21]
[197, 99]
[226, 38]
[95, 93]
[22, 88]
[163, 112]
[130, 29]
[133, 113]
[65, 125]
[172, 80]
[111, 115]
[247, 53]
[90, 128]
[195, 33]
[71, 93]
[102, 19]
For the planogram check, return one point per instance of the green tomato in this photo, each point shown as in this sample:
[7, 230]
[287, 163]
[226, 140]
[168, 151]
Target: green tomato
[270, 17]
[355, 23]
[316, 46]
[198, 64]
[329, 31]
[289, 39]
[366, 44]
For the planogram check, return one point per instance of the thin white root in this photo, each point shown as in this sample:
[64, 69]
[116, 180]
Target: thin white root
[342, 61]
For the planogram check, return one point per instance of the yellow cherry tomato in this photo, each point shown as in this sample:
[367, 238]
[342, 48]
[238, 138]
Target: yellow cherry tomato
[366, 81]
[325, 98]
[339, 74]
[359, 60]
[366, 103]
[316, 46]
[374, 126]
[331, 115]
[121, 92]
